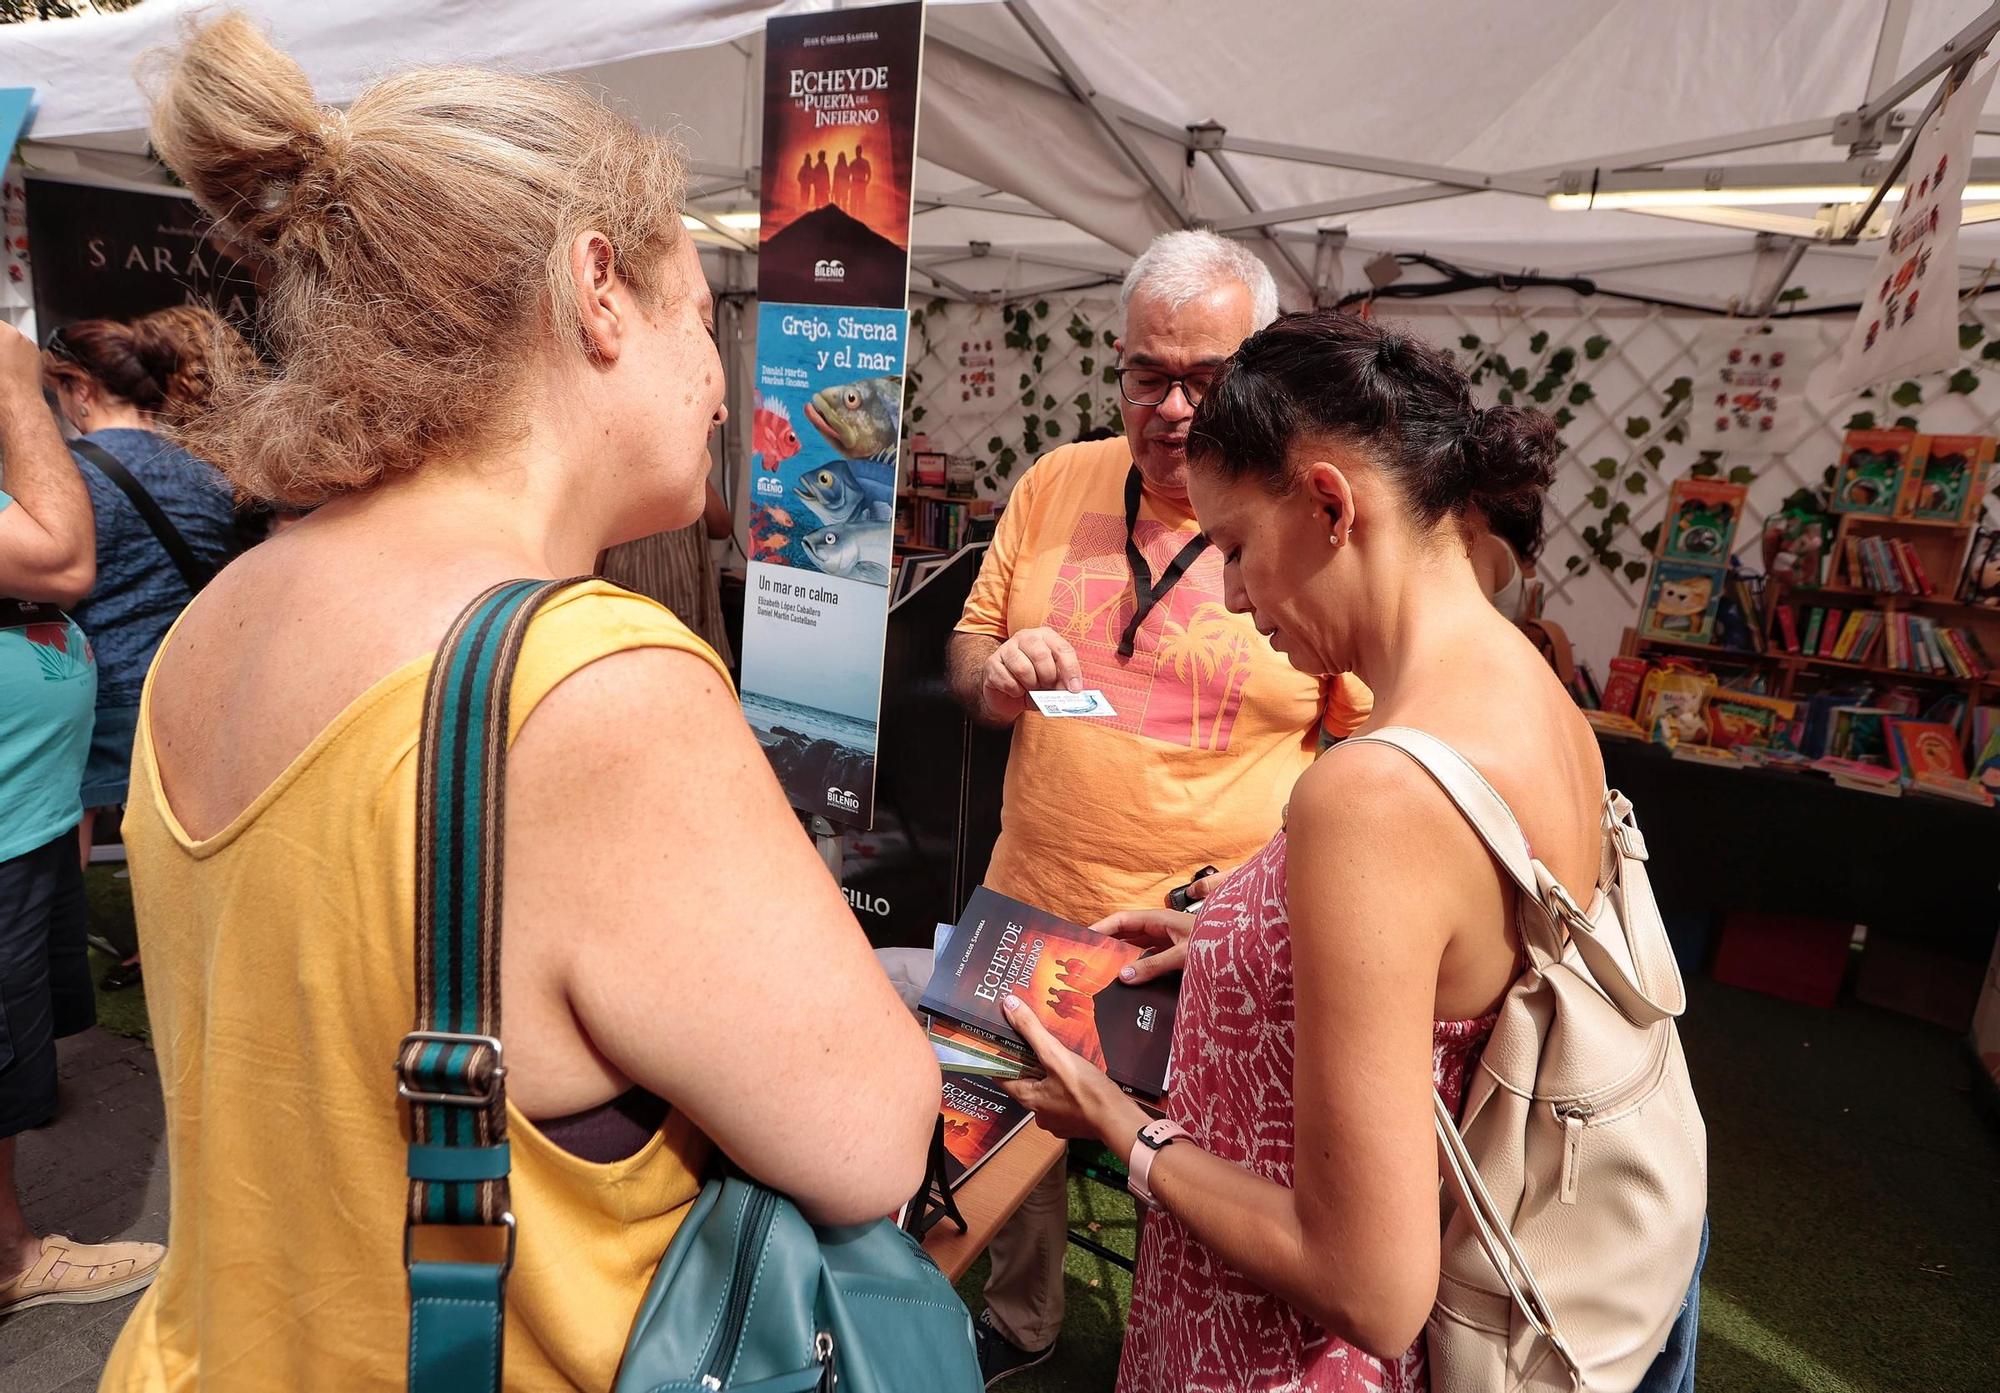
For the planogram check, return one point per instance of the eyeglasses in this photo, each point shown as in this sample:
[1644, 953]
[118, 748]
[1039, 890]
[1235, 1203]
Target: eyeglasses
[1152, 386]
[58, 347]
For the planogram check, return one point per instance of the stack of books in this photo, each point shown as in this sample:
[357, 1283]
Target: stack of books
[1888, 565]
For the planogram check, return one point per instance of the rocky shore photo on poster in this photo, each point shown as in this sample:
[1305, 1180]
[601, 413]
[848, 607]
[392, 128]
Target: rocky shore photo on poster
[811, 702]
[118, 253]
[824, 431]
[840, 121]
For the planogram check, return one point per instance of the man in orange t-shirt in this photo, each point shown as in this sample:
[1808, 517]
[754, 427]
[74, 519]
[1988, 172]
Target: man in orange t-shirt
[1212, 727]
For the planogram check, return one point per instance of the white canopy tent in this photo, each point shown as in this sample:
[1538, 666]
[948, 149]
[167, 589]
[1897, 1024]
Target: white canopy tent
[1058, 135]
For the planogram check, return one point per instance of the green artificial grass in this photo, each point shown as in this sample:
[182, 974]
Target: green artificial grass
[1854, 1194]
[109, 897]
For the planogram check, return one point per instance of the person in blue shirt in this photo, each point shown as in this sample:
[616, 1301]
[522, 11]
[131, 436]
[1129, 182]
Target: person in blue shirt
[119, 386]
[48, 686]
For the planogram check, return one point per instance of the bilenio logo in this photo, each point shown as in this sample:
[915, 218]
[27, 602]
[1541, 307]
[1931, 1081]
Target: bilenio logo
[844, 799]
[830, 269]
[1147, 1015]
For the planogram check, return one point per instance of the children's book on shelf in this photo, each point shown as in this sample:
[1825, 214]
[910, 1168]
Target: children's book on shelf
[1873, 464]
[1681, 601]
[1709, 754]
[1747, 718]
[979, 1119]
[1947, 478]
[1980, 585]
[1925, 747]
[1860, 734]
[1067, 975]
[1986, 745]
[1614, 726]
[1674, 701]
[1621, 688]
[1701, 520]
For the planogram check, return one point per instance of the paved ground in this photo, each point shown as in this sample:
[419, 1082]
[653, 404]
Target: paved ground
[99, 1172]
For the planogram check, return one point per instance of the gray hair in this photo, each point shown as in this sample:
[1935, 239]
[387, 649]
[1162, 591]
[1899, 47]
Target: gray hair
[1179, 266]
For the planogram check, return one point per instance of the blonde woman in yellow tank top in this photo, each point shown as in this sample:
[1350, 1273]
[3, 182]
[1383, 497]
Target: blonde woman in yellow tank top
[495, 359]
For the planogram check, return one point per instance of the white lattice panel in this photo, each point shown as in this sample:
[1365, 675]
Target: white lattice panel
[1648, 349]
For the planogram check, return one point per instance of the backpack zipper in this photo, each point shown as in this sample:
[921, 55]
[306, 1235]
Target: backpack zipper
[756, 1229]
[1575, 1118]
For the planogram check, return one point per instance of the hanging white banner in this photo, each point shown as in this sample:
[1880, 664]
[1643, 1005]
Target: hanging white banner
[1749, 393]
[1909, 312]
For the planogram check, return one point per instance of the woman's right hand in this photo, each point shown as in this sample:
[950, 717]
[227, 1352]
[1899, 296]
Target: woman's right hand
[1163, 931]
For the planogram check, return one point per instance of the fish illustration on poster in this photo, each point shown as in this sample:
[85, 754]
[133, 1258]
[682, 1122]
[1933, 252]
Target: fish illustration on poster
[829, 396]
[840, 115]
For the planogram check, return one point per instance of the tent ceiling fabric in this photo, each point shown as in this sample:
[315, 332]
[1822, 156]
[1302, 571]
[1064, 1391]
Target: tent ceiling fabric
[1412, 93]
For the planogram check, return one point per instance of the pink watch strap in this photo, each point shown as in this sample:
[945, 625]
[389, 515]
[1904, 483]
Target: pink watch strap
[1152, 1139]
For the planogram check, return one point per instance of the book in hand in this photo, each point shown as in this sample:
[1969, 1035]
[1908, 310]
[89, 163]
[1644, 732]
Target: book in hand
[971, 1053]
[979, 1119]
[1067, 975]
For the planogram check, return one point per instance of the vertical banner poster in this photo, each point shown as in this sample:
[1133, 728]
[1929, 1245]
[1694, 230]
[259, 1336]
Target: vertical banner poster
[840, 114]
[840, 128]
[1909, 311]
[118, 253]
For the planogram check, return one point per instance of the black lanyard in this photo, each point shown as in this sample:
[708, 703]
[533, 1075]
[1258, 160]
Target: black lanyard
[1148, 592]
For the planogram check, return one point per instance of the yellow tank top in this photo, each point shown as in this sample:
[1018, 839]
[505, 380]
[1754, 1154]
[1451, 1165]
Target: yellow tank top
[279, 980]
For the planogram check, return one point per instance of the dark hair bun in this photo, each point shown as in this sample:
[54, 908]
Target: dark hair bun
[1509, 452]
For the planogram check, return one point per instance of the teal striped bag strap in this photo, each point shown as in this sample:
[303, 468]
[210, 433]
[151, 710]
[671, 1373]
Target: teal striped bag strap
[450, 1067]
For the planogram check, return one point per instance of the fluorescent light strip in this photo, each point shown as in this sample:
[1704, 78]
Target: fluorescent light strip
[1777, 196]
[735, 222]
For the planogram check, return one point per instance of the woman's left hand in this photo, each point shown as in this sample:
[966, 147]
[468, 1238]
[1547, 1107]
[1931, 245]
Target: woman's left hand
[1073, 1098]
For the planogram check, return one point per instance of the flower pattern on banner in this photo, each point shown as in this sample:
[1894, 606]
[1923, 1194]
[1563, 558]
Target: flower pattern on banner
[1184, 682]
[1198, 1324]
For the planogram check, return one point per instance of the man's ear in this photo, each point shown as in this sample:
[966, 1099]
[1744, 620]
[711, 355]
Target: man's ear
[602, 304]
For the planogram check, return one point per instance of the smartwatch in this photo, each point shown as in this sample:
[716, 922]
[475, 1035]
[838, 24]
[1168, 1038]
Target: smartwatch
[1153, 1138]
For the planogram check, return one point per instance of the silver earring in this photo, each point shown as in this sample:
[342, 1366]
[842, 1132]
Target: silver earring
[1333, 539]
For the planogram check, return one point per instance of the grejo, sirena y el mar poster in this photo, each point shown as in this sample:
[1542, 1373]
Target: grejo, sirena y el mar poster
[840, 120]
[822, 490]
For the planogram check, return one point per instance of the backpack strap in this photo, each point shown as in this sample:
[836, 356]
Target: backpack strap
[1636, 971]
[193, 571]
[449, 1068]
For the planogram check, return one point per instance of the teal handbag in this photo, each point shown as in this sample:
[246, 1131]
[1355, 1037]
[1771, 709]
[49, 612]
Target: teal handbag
[750, 1297]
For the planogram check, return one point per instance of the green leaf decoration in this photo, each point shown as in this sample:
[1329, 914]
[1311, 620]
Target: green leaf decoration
[1505, 396]
[1544, 389]
[1905, 423]
[1965, 381]
[1969, 334]
[1635, 570]
[1991, 353]
[1676, 434]
[1110, 375]
[1539, 341]
[1049, 403]
[1793, 296]
[1679, 389]
[1036, 364]
[1110, 339]
[1562, 362]
[1518, 379]
[1654, 456]
[1637, 426]
[1909, 394]
[993, 446]
[1041, 344]
[1087, 365]
[1595, 347]
[1635, 482]
[1860, 420]
[1008, 458]
[1742, 474]
[1613, 559]
[1004, 468]
[1598, 497]
[1469, 342]
[1581, 393]
[1704, 468]
[1650, 538]
[1574, 565]
[1041, 309]
[917, 413]
[1606, 468]
[1563, 416]
[1032, 422]
[1620, 514]
[1028, 397]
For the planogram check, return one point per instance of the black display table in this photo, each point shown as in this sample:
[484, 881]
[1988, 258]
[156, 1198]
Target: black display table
[1920, 868]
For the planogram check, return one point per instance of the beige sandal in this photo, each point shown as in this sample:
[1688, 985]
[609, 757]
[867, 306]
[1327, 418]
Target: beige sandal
[75, 1274]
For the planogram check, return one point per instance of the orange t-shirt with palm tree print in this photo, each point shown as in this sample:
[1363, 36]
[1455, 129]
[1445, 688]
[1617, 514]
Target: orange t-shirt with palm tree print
[1213, 726]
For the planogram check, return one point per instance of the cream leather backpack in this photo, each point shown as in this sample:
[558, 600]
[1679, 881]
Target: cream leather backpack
[1577, 1174]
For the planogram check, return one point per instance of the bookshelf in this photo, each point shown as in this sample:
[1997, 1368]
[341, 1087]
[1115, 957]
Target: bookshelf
[1939, 550]
[930, 521]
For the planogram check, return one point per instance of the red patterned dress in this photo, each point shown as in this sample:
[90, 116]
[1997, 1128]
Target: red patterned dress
[1198, 1324]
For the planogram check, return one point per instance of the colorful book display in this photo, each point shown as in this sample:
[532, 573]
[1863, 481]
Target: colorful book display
[1873, 464]
[1947, 478]
[1681, 600]
[978, 1120]
[1701, 520]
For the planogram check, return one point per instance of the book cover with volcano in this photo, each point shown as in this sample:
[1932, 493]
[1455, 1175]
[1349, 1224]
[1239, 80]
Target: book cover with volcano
[840, 124]
[978, 1120]
[1068, 976]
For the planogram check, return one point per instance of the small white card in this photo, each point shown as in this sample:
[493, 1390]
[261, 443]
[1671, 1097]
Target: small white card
[1090, 703]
